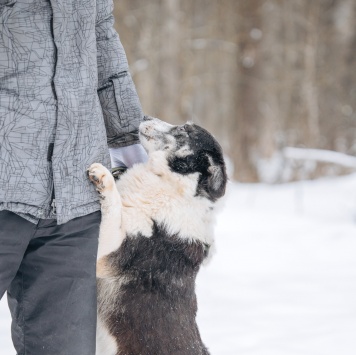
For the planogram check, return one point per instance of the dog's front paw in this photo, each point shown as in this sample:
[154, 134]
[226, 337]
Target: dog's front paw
[101, 178]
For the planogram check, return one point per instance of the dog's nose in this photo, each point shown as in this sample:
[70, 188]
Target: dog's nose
[147, 118]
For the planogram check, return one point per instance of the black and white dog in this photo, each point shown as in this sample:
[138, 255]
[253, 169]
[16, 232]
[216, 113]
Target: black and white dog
[156, 230]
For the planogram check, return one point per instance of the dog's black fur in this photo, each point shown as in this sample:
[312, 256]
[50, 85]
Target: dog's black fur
[206, 151]
[160, 290]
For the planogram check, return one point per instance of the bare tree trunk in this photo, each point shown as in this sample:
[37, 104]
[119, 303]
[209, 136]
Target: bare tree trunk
[170, 60]
[310, 86]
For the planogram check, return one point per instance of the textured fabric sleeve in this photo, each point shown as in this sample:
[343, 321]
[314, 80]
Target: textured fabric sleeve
[118, 97]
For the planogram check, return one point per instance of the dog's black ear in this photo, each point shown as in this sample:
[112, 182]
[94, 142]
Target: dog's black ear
[216, 182]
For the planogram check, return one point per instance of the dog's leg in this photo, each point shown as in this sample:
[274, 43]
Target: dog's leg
[110, 237]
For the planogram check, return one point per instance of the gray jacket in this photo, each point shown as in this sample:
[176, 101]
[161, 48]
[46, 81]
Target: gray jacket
[65, 95]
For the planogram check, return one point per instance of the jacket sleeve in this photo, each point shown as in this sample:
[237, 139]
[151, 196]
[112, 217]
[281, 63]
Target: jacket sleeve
[117, 94]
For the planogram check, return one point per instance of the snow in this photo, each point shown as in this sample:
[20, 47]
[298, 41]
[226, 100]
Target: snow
[282, 281]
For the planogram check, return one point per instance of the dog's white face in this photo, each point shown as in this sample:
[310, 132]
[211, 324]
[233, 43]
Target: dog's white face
[187, 149]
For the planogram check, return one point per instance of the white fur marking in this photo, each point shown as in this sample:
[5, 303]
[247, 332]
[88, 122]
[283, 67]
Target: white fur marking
[110, 236]
[105, 342]
[152, 191]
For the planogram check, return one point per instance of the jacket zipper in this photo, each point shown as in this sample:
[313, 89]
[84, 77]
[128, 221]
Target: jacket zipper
[53, 205]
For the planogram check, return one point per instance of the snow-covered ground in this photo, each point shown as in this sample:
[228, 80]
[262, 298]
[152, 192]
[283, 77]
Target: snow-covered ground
[283, 279]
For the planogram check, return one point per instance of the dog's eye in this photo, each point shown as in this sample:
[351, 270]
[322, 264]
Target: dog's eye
[184, 129]
[181, 131]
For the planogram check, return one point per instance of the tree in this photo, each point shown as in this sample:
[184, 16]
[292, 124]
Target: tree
[262, 75]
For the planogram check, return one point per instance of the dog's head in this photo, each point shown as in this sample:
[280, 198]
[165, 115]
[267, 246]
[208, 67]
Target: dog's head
[187, 149]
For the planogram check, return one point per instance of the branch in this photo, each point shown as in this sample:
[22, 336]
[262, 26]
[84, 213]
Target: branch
[326, 156]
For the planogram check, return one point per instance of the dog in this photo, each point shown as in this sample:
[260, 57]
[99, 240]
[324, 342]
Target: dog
[156, 231]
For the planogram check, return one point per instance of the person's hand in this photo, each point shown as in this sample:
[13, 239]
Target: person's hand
[127, 156]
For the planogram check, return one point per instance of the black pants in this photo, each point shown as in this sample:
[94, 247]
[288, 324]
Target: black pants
[49, 274]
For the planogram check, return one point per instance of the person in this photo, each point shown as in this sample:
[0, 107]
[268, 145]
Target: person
[66, 95]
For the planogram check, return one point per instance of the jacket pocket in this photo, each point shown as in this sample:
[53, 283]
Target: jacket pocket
[127, 101]
[121, 109]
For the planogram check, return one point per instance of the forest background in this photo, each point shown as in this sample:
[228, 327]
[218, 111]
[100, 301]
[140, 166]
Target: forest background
[262, 75]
